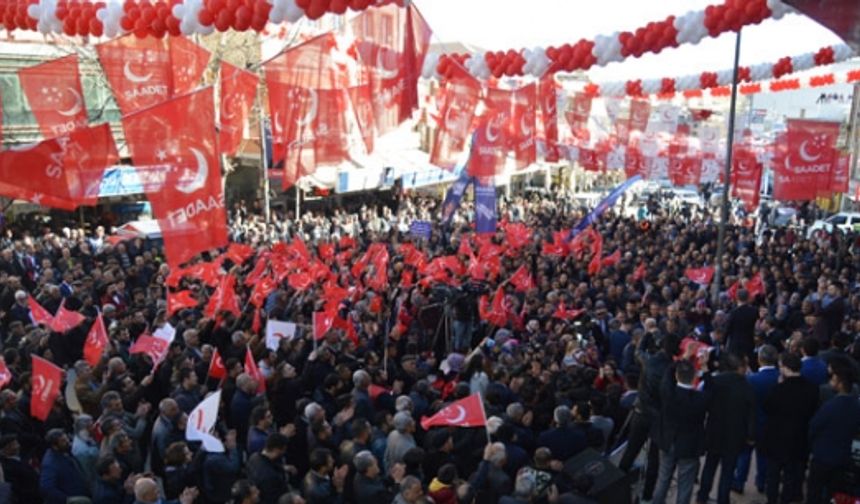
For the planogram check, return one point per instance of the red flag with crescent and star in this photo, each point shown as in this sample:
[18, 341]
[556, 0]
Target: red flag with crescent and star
[178, 137]
[217, 369]
[252, 369]
[138, 71]
[45, 384]
[467, 412]
[65, 320]
[96, 342]
[53, 90]
[38, 314]
[238, 90]
[181, 300]
[701, 276]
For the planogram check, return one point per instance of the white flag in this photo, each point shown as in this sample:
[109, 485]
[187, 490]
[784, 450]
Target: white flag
[276, 331]
[166, 332]
[202, 420]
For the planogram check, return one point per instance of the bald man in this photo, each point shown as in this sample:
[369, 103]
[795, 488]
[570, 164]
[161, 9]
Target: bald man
[146, 492]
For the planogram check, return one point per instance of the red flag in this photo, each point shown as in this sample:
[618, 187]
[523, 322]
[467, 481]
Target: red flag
[634, 163]
[640, 110]
[802, 169]
[841, 169]
[5, 374]
[155, 348]
[261, 291]
[138, 71]
[457, 112]
[38, 314]
[88, 151]
[65, 320]
[639, 274]
[252, 369]
[523, 125]
[45, 384]
[522, 280]
[326, 251]
[755, 286]
[179, 136]
[549, 113]
[487, 157]
[239, 252]
[207, 272]
[611, 260]
[216, 366]
[238, 90]
[96, 342]
[44, 182]
[564, 314]
[467, 412]
[188, 61]
[322, 323]
[54, 92]
[701, 276]
[256, 324]
[518, 234]
[578, 112]
[746, 177]
[181, 300]
[595, 265]
[300, 281]
[224, 298]
[375, 391]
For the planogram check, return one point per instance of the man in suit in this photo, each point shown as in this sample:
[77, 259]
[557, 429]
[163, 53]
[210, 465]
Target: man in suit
[564, 440]
[788, 410]
[730, 427]
[740, 327]
[831, 310]
[831, 432]
[763, 382]
[682, 432]
[812, 366]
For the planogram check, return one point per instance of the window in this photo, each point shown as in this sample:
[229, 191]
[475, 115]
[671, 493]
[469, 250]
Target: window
[838, 220]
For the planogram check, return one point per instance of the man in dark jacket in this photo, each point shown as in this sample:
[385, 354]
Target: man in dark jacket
[324, 484]
[682, 432]
[740, 327]
[220, 471]
[368, 485]
[788, 411]
[564, 440]
[730, 427]
[22, 476]
[61, 477]
[831, 432]
[266, 468]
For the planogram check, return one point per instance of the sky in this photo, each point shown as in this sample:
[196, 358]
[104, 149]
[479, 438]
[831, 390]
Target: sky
[504, 24]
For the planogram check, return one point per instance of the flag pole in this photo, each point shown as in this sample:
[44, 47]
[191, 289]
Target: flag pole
[264, 169]
[724, 209]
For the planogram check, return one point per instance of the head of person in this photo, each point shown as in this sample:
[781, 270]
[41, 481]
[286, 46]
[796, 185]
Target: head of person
[743, 296]
[321, 461]
[731, 363]
[146, 490]
[561, 416]
[169, 409]
[685, 373]
[365, 464]
[767, 356]
[58, 440]
[361, 379]
[404, 423]
[789, 364]
[810, 346]
[261, 417]
[276, 445]
[244, 491]
[108, 469]
[410, 489]
[842, 375]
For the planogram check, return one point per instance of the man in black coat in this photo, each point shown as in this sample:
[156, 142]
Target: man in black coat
[788, 410]
[369, 485]
[740, 327]
[682, 432]
[266, 468]
[730, 427]
[831, 311]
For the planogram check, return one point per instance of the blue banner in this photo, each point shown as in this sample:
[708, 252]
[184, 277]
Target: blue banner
[454, 196]
[420, 229]
[601, 207]
[485, 207]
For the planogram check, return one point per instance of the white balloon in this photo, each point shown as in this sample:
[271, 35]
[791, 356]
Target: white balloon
[724, 77]
[43, 28]
[186, 27]
[842, 52]
[178, 11]
[277, 15]
[803, 62]
[293, 12]
[33, 11]
[651, 86]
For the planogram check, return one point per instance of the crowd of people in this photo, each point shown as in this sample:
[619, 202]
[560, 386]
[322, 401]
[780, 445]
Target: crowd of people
[634, 361]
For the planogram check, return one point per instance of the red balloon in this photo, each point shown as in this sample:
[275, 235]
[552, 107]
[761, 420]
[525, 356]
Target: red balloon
[243, 16]
[157, 26]
[61, 12]
[126, 23]
[316, 9]
[224, 20]
[133, 13]
[172, 25]
[232, 5]
[338, 6]
[82, 26]
[68, 27]
[258, 22]
[303, 4]
[97, 30]
[215, 6]
[205, 17]
[262, 7]
[241, 25]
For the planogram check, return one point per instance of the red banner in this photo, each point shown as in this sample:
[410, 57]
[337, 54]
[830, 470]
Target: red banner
[137, 70]
[179, 136]
[549, 114]
[685, 170]
[640, 111]
[458, 110]
[54, 92]
[802, 168]
[238, 90]
[88, 152]
[35, 173]
[188, 61]
[746, 177]
[523, 126]
[577, 114]
[45, 384]
[488, 148]
[841, 171]
[634, 163]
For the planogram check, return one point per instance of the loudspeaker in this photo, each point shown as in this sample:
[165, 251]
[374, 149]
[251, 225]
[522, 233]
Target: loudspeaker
[610, 484]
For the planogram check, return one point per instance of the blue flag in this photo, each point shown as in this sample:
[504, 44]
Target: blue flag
[485, 207]
[604, 204]
[454, 196]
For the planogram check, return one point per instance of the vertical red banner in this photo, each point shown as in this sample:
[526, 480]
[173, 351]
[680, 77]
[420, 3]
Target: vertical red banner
[549, 113]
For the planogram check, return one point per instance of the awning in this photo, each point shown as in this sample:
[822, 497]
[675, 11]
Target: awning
[842, 17]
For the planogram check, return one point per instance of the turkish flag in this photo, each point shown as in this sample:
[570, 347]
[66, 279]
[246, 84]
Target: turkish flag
[746, 177]
[138, 71]
[252, 369]
[523, 125]
[803, 167]
[65, 320]
[238, 90]
[322, 323]
[38, 314]
[5, 374]
[96, 342]
[181, 300]
[224, 298]
[45, 383]
[522, 280]
[53, 90]
[467, 412]
[640, 111]
[300, 281]
[261, 291]
[596, 264]
[487, 157]
[155, 348]
[179, 136]
[564, 314]
[188, 61]
[611, 260]
[549, 115]
[207, 272]
[639, 273]
[216, 366]
[518, 235]
[701, 276]
[361, 98]
[239, 253]
[456, 114]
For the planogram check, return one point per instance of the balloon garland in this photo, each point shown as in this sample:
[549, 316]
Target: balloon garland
[673, 31]
[158, 18]
[667, 87]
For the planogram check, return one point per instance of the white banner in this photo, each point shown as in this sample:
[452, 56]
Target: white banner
[276, 331]
[202, 421]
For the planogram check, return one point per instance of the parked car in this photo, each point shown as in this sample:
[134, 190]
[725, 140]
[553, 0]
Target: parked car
[843, 221]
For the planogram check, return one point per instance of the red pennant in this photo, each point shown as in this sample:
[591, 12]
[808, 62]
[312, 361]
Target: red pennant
[802, 167]
[178, 135]
[256, 324]
[54, 92]
[45, 383]
[746, 177]
[65, 320]
[467, 412]
[611, 260]
[549, 113]
[252, 369]
[522, 280]
[701, 276]
[487, 157]
[217, 369]
[523, 126]
[96, 342]
[181, 300]
[38, 314]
